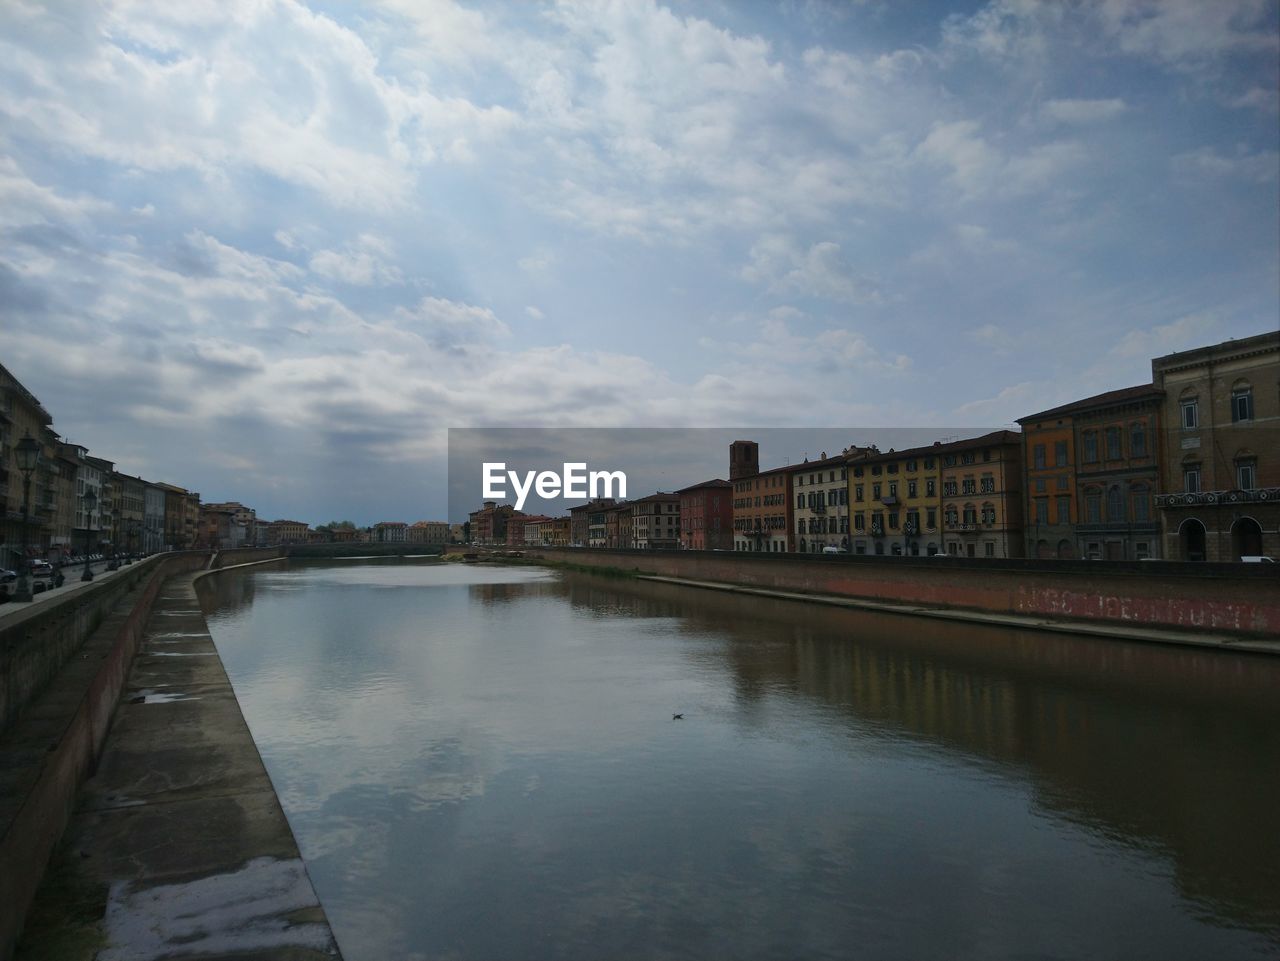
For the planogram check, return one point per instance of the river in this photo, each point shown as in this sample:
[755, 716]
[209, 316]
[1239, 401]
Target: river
[482, 762]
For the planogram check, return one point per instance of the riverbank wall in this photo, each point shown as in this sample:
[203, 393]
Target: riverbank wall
[1226, 599]
[362, 550]
[63, 664]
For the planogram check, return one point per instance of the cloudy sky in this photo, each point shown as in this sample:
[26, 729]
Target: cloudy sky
[271, 250]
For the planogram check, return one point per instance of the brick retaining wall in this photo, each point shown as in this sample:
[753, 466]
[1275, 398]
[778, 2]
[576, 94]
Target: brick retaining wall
[1228, 598]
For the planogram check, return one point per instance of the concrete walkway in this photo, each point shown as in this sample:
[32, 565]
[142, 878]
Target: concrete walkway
[178, 847]
[1119, 632]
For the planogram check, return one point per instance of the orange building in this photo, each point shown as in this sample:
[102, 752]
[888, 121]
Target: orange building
[761, 501]
[1049, 499]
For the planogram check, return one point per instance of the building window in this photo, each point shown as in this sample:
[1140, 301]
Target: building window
[911, 488]
[859, 522]
[1042, 510]
[928, 463]
[1090, 446]
[966, 458]
[930, 488]
[1060, 454]
[1062, 482]
[1142, 550]
[1191, 479]
[1190, 414]
[893, 520]
[931, 518]
[1042, 485]
[1064, 510]
[1141, 505]
[857, 492]
[1242, 406]
[1137, 440]
[989, 549]
[1093, 507]
[1115, 505]
[1247, 474]
[1113, 443]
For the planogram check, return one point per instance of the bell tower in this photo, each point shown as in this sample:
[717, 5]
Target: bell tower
[744, 459]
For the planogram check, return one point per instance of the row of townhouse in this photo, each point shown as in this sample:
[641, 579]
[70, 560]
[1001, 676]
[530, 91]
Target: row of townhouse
[960, 498]
[59, 499]
[1186, 467]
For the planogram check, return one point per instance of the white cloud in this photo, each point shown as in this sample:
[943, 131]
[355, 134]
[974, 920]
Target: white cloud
[1210, 163]
[535, 313]
[1083, 111]
[362, 262]
[453, 325]
[819, 271]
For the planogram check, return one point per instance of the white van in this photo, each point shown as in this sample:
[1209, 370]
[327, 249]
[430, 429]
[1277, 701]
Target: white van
[1258, 559]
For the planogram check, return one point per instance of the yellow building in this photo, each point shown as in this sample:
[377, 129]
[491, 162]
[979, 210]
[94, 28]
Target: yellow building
[895, 501]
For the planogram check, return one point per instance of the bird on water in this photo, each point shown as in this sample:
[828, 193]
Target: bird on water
[677, 717]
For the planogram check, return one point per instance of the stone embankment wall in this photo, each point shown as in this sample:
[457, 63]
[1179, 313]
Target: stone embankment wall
[362, 550]
[63, 663]
[1226, 598]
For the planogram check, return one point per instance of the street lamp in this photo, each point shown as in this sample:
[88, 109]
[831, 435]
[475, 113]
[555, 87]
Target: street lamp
[27, 453]
[90, 501]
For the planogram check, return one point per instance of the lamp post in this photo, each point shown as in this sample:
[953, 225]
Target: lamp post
[90, 501]
[27, 453]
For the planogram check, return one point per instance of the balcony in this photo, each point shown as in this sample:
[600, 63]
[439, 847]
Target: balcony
[1259, 495]
[889, 500]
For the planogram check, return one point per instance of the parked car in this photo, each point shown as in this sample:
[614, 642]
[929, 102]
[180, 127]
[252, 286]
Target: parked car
[833, 550]
[1258, 559]
[40, 568]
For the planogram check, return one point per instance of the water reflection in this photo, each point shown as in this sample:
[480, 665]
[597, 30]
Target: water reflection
[480, 762]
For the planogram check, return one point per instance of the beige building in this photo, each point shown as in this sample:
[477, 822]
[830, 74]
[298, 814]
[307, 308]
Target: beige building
[655, 522]
[982, 495]
[286, 532]
[1220, 450]
[820, 490]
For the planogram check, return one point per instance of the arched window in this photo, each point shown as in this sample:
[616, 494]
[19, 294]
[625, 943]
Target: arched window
[1093, 505]
[1140, 496]
[1115, 504]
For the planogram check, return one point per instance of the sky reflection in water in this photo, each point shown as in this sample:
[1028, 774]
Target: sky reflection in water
[481, 762]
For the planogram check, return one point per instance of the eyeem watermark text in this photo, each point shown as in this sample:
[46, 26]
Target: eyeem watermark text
[574, 482]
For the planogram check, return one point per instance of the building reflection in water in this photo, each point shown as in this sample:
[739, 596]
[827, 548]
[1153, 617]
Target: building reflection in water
[1171, 751]
[1174, 750]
